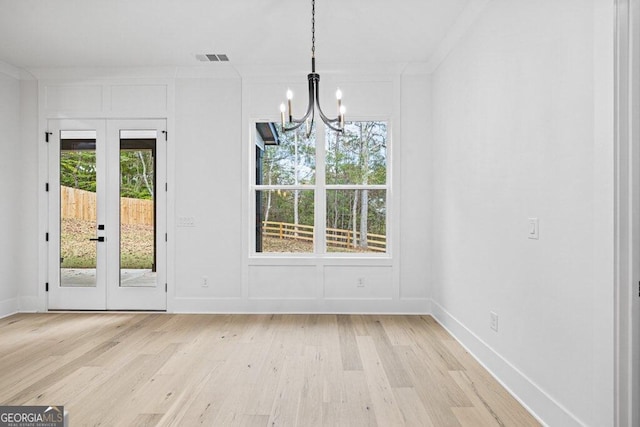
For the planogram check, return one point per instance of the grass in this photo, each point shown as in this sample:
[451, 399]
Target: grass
[77, 251]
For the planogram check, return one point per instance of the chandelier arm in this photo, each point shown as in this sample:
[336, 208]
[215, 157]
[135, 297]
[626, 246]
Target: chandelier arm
[311, 102]
[310, 109]
[310, 128]
[324, 118]
[294, 127]
[330, 126]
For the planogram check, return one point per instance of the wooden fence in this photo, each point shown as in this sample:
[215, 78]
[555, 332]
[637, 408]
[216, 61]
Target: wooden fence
[344, 239]
[336, 237]
[81, 204]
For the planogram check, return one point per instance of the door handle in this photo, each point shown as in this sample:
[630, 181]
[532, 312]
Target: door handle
[97, 239]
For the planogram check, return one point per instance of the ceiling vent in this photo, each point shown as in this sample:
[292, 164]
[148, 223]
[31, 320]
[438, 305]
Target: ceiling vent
[210, 57]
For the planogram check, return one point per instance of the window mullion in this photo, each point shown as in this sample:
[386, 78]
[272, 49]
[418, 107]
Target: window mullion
[283, 187]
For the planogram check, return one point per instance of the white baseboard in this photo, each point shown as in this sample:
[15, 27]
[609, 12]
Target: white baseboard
[541, 405]
[8, 307]
[347, 306]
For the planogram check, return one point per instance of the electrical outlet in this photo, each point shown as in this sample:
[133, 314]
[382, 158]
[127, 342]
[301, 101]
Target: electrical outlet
[360, 282]
[493, 321]
[205, 282]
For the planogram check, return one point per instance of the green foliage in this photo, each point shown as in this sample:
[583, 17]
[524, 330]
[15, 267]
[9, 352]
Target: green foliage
[340, 210]
[137, 174]
[78, 170]
[282, 205]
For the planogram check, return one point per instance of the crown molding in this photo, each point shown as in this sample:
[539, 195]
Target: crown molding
[10, 70]
[103, 73]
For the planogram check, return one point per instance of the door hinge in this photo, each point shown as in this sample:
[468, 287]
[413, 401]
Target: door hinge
[46, 136]
[166, 237]
[166, 186]
[46, 187]
[638, 289]
[165, 287]
[165, 134]
[46, 237]
[46, 287]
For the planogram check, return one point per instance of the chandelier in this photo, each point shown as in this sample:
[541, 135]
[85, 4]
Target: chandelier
[336, 124]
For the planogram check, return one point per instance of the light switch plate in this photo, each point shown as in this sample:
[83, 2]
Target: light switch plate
[534, 229]
[186, 221]
[493, 320]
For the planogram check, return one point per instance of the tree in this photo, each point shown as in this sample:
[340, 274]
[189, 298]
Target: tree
[290, 163]
[78, 169]
[358, 157]
[137, 174]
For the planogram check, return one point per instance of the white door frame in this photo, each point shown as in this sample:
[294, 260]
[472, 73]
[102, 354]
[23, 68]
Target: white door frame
[107, 294]
[627, 214]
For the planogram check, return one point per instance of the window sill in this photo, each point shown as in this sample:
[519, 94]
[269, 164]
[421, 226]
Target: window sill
[326, 259]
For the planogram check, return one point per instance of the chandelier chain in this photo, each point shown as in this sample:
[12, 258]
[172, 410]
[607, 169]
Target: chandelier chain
[336, 124]
[313, 28]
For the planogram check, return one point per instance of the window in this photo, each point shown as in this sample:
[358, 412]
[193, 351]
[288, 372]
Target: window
[322, 193]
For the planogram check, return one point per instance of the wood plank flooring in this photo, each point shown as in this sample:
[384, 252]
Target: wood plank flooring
[140, 369]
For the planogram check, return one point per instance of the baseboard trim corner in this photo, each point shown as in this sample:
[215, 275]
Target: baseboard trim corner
[8, 307]
[538, 402]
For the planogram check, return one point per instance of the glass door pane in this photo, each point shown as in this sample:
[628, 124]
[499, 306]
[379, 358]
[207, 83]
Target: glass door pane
[78, 209]
[138, 208]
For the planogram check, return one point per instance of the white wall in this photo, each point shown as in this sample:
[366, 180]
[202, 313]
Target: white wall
[30, 189]
[10, 188]
[208, 176]
[522, 128]
[415, 177]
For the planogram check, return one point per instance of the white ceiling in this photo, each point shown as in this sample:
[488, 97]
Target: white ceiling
[253, 33]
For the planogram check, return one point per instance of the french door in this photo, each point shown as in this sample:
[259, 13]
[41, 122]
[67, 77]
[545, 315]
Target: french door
[107, 215]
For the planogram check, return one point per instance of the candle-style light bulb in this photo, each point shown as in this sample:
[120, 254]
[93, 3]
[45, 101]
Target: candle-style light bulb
[338, 94]
[289, 98]
[282, 110]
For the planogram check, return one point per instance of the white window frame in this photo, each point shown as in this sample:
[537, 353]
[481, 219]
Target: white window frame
[320, 197]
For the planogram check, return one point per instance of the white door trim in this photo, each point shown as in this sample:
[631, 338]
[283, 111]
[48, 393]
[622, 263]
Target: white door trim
[627, 214]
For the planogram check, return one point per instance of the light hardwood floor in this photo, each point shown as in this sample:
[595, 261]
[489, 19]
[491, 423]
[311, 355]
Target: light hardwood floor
[144, 369]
